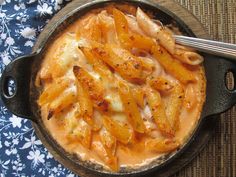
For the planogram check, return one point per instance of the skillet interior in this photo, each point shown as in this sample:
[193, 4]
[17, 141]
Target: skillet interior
[167, 18]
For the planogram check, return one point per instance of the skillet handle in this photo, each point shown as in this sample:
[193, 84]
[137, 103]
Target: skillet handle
[219, 97]
[18, 70]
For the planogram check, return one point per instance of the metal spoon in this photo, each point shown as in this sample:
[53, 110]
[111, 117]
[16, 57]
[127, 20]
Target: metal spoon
[208, 46]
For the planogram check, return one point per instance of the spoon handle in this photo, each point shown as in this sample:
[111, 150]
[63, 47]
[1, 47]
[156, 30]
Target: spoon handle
[208, 46]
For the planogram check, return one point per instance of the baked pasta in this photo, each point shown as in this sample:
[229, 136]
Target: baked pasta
[118, 91]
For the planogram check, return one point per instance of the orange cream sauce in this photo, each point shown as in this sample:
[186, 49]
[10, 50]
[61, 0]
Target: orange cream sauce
[63, 54]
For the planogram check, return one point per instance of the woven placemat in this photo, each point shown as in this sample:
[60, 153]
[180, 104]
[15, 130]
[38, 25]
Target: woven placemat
[218, 158]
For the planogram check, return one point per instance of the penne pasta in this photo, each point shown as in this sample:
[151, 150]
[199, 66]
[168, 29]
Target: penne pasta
[82, 133]
[190, 100]
[91, 30]
[165, 39]
[158, 112]
[108, 141]
[86, 20]
[133, 25]
[147, 64]
[122, 29]
[162, 146]
[86, 106]
[136, 41]
[188, 57]
[172, 66]
[173, 110]
[163, 36]
[66, 99]
[98, 65]
[122, 61]
[138, 96]
[121, 23]
[95, 90]
[146, 24]
[97, 120]
[71, 123]
[109, 159]
[160, 83]
[127, 38]
[131, 108]
[108, 28]
[122, 133]
[52, 91]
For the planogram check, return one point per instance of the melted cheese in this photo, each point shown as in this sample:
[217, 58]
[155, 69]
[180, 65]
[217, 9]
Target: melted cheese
[115, 102]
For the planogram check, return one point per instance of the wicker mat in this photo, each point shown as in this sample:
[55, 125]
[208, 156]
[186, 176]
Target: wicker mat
[218, 158]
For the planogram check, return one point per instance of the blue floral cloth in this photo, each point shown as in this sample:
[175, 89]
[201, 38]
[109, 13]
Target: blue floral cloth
[21, 152]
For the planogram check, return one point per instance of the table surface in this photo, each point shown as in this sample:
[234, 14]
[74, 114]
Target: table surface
[218, 158]
[22, 154]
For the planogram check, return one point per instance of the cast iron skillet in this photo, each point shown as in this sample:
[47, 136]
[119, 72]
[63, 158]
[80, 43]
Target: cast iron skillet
[23, 102]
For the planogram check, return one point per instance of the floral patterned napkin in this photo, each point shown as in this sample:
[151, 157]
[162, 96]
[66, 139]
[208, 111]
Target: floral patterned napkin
[21, 152]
